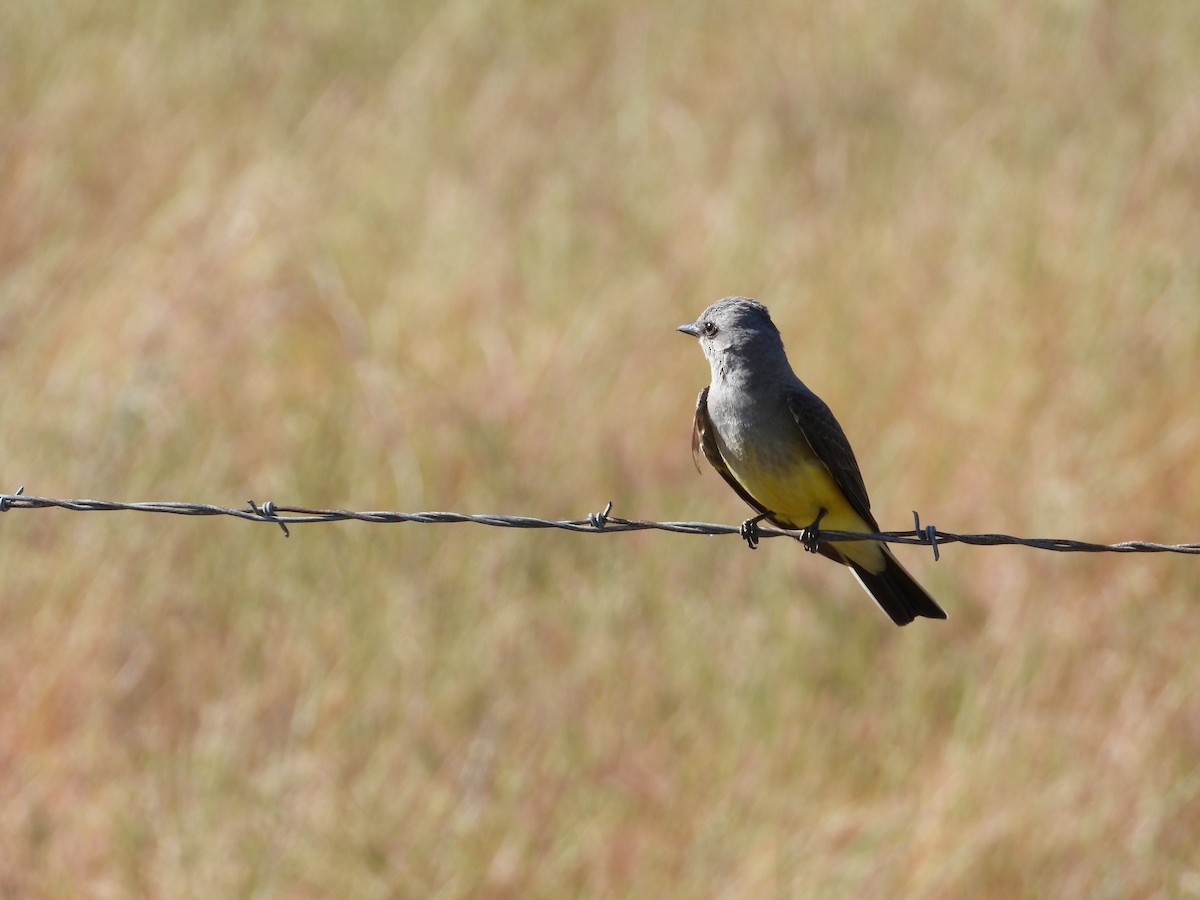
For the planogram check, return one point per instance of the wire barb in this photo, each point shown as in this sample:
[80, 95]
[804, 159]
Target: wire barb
[7, 499]
[267, 513]
[595, 523]
[928, 534]
[599, 519]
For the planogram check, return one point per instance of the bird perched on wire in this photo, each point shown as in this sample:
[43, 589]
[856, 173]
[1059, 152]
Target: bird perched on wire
[780, 448]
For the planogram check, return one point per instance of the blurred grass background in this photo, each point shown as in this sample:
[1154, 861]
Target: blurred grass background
[430, 256]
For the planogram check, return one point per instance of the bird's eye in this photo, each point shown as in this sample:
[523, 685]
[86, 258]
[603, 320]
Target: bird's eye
[710, 328]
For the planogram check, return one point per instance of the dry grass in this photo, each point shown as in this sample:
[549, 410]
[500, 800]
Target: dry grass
[418, 256]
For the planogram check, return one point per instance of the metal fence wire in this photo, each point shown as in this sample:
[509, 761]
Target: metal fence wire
[595, 523]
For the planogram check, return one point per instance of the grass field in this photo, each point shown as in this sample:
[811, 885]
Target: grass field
[418, 256]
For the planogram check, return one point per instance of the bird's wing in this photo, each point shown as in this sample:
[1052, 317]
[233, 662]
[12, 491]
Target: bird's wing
[829, 443]
[703, 439]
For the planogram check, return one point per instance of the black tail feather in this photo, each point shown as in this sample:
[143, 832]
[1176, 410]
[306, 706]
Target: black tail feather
[897, 592]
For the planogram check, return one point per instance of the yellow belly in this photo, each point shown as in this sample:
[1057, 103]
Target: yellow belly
[796, 490]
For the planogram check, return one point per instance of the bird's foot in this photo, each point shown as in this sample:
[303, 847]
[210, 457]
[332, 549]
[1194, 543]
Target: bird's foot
[810, 536]
[749, 531]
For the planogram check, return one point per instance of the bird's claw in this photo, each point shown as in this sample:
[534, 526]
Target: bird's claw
[749, 531]
[810, 535]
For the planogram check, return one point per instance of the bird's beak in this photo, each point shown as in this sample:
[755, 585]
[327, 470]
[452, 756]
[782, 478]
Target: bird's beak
[692, 328]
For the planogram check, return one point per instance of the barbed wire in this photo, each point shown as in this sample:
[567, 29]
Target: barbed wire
[595, 523]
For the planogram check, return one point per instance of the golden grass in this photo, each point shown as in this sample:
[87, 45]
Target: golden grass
[423, 256]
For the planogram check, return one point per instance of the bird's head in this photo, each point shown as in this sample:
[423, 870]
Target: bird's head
[736, 329]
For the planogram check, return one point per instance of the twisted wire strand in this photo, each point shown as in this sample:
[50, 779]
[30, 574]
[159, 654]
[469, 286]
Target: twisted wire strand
[595, 523]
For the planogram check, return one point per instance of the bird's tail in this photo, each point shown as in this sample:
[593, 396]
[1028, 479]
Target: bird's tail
[897, 592]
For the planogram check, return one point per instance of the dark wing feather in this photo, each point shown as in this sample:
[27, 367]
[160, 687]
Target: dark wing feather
[703, 439]
[831, 446]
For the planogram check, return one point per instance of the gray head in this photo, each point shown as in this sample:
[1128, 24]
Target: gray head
[736, 333]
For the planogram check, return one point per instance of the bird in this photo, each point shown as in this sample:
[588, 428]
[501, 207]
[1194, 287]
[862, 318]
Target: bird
[782, 451]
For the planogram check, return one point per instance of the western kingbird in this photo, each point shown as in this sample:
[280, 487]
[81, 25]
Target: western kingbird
[783, 452]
